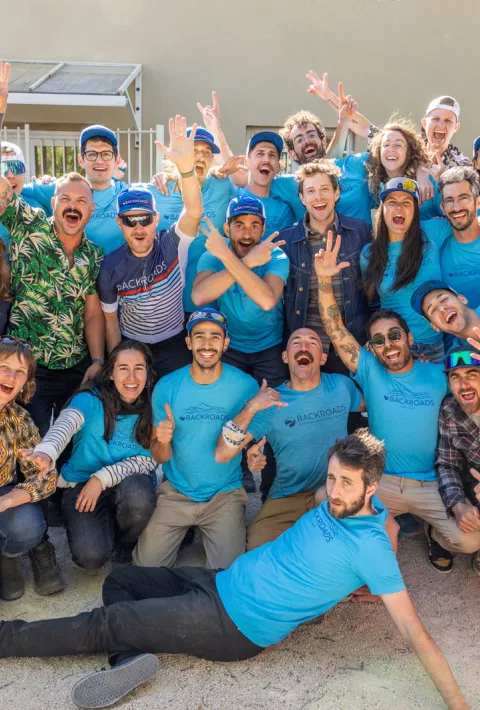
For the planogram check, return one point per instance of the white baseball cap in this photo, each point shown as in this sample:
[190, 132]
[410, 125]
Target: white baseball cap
[446, 102]
[12, 148]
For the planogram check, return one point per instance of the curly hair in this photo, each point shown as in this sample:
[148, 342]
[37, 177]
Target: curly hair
[416, 153]
[318, 167]
[301, 118]
[9, 345]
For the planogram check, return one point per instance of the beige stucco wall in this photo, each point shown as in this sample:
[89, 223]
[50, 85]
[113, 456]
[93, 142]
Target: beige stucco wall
[390, 54]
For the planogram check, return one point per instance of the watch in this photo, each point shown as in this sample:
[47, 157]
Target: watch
[98, 361]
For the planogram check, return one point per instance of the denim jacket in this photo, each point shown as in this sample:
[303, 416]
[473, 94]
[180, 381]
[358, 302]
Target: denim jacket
[355, 234]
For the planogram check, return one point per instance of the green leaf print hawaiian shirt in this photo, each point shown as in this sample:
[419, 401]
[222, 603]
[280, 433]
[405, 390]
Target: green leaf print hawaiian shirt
[48, 296]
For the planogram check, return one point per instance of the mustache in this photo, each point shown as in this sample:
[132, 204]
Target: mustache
[304, 353]
[68, 211]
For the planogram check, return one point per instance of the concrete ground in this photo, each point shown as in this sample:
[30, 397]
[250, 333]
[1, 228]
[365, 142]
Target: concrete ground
[354, 660]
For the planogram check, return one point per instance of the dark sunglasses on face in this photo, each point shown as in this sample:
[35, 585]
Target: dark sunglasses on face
[15, 166]
[393, 334]
[142, 219]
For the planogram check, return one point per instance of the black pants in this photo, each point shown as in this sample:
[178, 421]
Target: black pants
[266, 364]
[335, 366]
[170, 355]
[147, 610]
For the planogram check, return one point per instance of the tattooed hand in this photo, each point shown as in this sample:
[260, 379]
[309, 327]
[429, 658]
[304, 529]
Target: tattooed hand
[326, 266]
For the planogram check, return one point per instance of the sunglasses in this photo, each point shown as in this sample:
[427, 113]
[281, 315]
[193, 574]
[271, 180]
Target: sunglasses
[11, 340]
[463, 358]
[142, 219]
[17, 167]
[393, 334]
[218, 317]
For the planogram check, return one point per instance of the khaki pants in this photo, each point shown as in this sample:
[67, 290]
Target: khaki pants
[220, 519]
[277, 515]
[421, 498]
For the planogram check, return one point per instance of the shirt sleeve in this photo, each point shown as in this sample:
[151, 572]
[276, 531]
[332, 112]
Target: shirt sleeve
[161, 396]
[279, 265]
[353, 161]
[260, 424]
[449, 465]
[208, 262]
[106, 290]
[28, 437]
[382, 576]
[437, 230]
[114, 474]
[355, 394]
[68, 423]
[285, 188]
[42, 194]
[365, 362]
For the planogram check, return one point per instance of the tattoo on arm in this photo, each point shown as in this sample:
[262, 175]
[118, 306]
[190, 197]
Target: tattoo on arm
[352, 350]
[325, 287]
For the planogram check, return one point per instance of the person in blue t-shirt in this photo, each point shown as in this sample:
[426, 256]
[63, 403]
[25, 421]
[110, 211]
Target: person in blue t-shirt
[460, 190]
[232, 615]
[190, 407]
[108, 494]
[403, 398]
[404, 253]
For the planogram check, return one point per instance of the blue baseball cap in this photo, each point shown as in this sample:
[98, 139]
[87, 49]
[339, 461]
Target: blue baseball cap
[459, 356]
[98, 131]
[400, 184]
[206, 137]
[269, 137]
[421, 291]
[245, 205]
[209, 314]
[476, 146]
[135, 198]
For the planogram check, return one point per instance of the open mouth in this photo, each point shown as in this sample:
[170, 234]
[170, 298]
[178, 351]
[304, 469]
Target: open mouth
[207, 354]
[451, 317]
[310, 150]
[319, 206]
[393, 356]
[246, 243]
[6, 389]
[459, 215]
[304, 359]
[468, 396]
[72, 218]
[398, 220]
[265, 170]
[200, 168]
[439, 135]
[132, 388]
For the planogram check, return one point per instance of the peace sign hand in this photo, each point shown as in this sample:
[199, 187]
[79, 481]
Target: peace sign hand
[4, 77]
[211, 114]
[318, 87]
[262, 252]
[216, 245]
[326, 266]
[181, 146]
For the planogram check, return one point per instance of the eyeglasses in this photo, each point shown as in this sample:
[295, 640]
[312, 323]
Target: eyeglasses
[142, 219]
[462, 358]
[11, 340]
[92, 155]
[309, 136]
[393, 334]
[462, 200]
[17, 167]
[208, 315]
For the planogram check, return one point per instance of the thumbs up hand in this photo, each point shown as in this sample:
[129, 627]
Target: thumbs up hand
[166, 427]
[256, 459]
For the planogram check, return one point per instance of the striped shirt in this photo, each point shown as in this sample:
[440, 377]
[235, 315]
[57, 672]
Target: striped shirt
[147, 291]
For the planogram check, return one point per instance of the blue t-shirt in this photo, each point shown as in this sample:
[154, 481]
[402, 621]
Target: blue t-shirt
[399, 301]
[309, 569]
[454, 342]
[461, 268]
[250, 328]
[28, 194]
[355, 199]
[302, 433]
[403, 412]
[90, 450]
[279, 213]
[200, 411]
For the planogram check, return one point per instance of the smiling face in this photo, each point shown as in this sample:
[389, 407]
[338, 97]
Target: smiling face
[347, 493]
[72, 206]
[99, 172]
[207, 342]
[465, 386]
[129, 374]
[13, 376]
[393, 153]
[202, 159]
[319, 197]
[307, 144]
[395, 355]
[398, 212]
[263, 163]
[446, 311]
[459, 205]
[304, 356]
[139, 239]
[245, 231]
[440, 126]
[16, 182]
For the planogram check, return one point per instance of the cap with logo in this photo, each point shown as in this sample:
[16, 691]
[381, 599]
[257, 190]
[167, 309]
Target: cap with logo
[268, 137]
[205, 137]
[98, 131]
[245, 205]
[446, 102]
[476, 146]
[424, 289]
[207, 314]
[400, 184]
[460, 357]
[135, 198]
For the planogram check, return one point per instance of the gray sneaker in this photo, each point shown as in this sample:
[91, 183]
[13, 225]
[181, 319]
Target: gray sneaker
[104, 688]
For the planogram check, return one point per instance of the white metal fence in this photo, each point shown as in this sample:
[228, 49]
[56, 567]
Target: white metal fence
[56, 152]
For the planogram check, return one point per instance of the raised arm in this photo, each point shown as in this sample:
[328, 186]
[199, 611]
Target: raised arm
[4, 78]
[319, 87]
[346, 114]
[402, 611]
[326, 267]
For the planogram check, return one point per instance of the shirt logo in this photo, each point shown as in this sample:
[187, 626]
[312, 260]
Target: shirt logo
[317, 416]
[325, 524]
[204, 413]
[398, 394]
[464, 270]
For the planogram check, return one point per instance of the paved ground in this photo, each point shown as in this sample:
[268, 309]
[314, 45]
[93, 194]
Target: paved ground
[354, 660]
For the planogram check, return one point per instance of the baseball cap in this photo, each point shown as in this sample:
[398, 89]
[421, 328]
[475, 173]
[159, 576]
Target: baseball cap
[269, 137]
[459, 357]
[400, 184]
[447, 102]
[421, 291]
[476, 146]
[98, 131]
[135, 198]
[15, 152]
[206, 137]
[245, 205]
[210, 314]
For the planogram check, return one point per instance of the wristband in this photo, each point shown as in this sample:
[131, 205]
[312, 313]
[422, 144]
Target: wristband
[189, 174]
[249, 405]
[98, 361]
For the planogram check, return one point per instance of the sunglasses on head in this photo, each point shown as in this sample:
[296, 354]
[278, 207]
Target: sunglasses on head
[142, 219]
[17, 167]
[218, 317]
[393, 334]
[11, 340]
[462, 358]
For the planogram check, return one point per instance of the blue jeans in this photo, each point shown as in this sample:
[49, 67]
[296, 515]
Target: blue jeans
[434, 352]
[119, 517]
[21, 528]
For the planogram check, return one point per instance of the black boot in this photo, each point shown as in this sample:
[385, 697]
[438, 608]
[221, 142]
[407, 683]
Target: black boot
[11, 579]
[46, 575]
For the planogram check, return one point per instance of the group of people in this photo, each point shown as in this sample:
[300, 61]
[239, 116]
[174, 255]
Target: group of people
[231, 318]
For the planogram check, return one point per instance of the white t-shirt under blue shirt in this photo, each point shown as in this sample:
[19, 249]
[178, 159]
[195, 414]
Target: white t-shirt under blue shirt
[309, 569]
[251, 329]
[200, 411]
[403, 412]
[302, 433]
